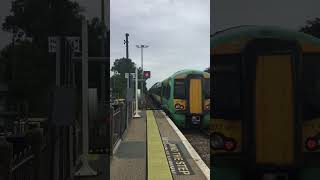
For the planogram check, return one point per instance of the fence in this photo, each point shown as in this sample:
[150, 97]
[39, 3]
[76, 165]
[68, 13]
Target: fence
[120, 117]
[22, 165]
[23, 156]
[35, 150]
[99, 131]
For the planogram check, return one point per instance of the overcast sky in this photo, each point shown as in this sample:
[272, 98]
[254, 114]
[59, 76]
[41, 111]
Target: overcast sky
[290, 14]
[177, 32]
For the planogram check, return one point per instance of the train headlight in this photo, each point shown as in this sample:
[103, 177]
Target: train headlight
[177, 106]
[208, 107]
[217, 141]
[312, 144]
[220, 142]
[230, 145]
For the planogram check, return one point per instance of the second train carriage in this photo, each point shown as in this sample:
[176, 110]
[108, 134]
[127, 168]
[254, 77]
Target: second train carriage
[266, 115]
[186, 97]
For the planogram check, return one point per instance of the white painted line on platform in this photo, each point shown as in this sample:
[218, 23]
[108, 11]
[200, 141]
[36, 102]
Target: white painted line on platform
[117, 146]
[193, 153]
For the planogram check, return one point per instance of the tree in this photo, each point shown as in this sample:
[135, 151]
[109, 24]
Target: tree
[38, 19]
[118, 81]
[312, 27]
[207, 70]
[95, 30]
[31, 68]
[140, 74]
[123, 65]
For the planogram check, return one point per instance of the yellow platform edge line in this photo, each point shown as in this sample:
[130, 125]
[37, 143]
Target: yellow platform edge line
[158, 166]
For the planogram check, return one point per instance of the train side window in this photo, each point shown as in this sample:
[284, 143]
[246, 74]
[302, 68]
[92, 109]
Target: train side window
[164, 87]
[226, 87]
[179, 89]
[206, 88]
[168, 92]
[311, 86]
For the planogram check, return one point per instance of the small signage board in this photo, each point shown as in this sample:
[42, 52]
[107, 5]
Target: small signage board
[146, 74]
[52, 44]
[74, 43]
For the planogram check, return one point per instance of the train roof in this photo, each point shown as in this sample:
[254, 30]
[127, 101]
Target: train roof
[249, 32]
[156, 85]
[186, 72]
[182, 74]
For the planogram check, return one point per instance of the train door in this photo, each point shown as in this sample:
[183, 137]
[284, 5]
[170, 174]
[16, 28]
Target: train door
[195, 99]
[274, 113]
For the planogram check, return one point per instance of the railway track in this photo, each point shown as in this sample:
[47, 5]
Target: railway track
[150, 105]
[200, 141]
[198, 138]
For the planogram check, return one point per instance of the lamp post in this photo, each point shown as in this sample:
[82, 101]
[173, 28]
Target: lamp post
[141, 47]
[85, 169]
[136, 115]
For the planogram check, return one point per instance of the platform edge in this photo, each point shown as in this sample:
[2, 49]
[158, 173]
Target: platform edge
[195, 156]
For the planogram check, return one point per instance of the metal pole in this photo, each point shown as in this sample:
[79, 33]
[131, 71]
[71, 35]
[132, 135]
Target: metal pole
[85, 169]
[126, 42]
[142, 79]
[127, 45]
[57, 130]
[142, 73]
[102, 82]
[102, 11]
[58, 66]
[136, 115]
[103, 66]
[85, 86]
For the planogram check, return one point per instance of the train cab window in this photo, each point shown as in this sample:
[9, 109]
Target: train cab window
[158, 91]
[311, 86]
[168, 92]
[206, 88]
[226, 87]
[179, 89]
[164, 87]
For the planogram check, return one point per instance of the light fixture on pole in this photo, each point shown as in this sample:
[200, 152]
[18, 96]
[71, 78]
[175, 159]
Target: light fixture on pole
[142, 79]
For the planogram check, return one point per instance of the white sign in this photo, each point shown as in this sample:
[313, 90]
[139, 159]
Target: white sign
[126, 75]
[74, 43]
[52, 47]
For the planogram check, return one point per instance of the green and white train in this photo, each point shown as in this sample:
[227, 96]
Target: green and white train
[185, 96]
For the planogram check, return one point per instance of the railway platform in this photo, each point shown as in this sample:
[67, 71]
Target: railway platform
[153, 148]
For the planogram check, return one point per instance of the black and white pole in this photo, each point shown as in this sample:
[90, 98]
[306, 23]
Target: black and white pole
[126, 42]
[136, 115]
[85, 169]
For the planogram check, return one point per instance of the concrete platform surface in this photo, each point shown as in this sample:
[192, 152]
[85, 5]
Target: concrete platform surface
[129, 161]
